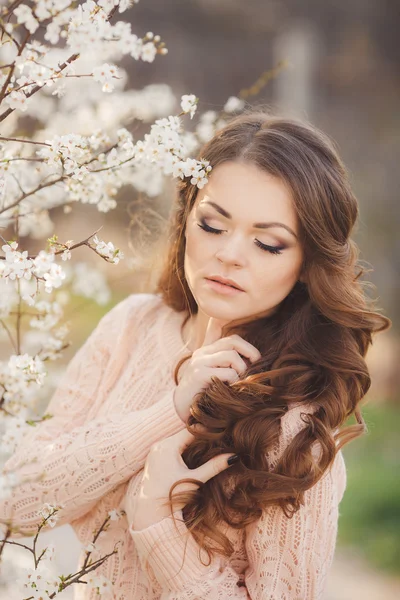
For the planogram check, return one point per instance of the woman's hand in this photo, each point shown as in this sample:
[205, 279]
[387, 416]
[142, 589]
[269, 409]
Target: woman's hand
[217, 357]
[163, 467]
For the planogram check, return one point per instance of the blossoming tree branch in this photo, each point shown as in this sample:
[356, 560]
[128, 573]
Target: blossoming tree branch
[64, 142]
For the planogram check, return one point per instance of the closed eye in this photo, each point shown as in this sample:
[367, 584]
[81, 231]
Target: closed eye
[272, 249]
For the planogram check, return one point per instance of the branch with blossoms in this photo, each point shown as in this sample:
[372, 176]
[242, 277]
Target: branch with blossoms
[70, 168]
[40, 579]
[80, 149]
[22, 370]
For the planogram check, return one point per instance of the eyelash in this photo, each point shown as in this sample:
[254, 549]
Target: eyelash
[271, 249]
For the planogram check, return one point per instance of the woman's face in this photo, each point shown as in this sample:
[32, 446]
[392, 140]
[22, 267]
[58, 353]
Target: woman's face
[243, 196]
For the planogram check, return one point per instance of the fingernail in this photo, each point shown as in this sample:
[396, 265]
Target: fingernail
[232, 459]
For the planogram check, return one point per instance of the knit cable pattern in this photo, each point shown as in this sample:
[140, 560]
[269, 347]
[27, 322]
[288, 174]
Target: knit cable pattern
[114, 401]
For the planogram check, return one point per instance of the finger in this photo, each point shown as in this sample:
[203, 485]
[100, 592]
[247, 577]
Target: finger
[182, 439]
[213, 331]
[211, 468]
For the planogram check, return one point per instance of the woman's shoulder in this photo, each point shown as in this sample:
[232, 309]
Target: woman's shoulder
[134, 307]
[137, 302]
[125, 317]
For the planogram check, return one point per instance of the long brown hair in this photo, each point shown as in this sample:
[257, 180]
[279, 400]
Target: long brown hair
[312, 347]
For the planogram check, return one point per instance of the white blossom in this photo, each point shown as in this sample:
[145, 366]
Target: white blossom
[25, 16]
[17, 265]
[148, 52]
[99, 583]
[38, 583]
[43, 262]
[107, 250]
[28, 367]
[17, 101]
[48, 315]
[16, 430]
[50, 514]
[189, 104]
[233, 104]
[53, 278]
[66, 255]
[114, 514]
[105, 74]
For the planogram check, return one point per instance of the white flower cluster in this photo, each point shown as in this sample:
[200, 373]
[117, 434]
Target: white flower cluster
[7, 482]
[105, 74]
[17, 265]
[100, 583]
[20, 377]
[68, 152]
[189, 104]
[90, 283]
[26, 368]
[39, 583]
[49, 512]
[107, 250]
[48, 315]
[25, 16]
[164, 147]
[89, 25]
[196, 170]
[85, 26]
[16, 430]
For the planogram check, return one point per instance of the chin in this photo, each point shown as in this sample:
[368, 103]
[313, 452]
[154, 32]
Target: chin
[218, 309]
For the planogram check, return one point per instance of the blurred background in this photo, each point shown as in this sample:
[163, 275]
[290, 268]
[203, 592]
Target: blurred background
[337, 65]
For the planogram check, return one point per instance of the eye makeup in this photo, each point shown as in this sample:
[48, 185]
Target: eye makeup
[271, 249]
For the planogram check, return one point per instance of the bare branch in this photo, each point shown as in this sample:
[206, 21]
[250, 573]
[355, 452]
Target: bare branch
[11, 71]
[23, 141]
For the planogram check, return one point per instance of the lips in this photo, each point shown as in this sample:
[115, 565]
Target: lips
[225, 282]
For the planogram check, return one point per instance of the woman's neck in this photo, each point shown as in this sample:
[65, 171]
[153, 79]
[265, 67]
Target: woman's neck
[194, 330]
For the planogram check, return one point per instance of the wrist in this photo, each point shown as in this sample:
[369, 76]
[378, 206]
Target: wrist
[147, 513]
[183, 416]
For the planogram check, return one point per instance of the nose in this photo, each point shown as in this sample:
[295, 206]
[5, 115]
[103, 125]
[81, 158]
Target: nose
[231, 252]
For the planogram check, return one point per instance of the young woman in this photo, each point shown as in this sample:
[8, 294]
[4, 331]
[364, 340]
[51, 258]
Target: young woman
[267, 364]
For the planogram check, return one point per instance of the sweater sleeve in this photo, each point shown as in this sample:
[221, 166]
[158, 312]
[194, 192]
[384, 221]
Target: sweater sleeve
[66, 460]
[288, 558]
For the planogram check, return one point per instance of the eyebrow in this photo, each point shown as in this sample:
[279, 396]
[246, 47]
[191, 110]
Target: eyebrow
[224, 213]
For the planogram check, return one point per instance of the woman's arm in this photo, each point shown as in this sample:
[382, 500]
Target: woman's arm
[288, 558]
[83, 462]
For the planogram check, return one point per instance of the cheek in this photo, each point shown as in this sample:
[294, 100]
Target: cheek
[279, 274]
[196, 245]
[194, 251]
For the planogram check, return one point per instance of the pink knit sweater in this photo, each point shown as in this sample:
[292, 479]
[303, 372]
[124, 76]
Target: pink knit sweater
[116, 400]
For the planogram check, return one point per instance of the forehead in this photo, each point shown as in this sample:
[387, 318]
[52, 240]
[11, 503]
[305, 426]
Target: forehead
[249, 193]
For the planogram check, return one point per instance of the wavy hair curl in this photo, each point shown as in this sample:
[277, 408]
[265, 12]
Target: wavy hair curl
[312, 347]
